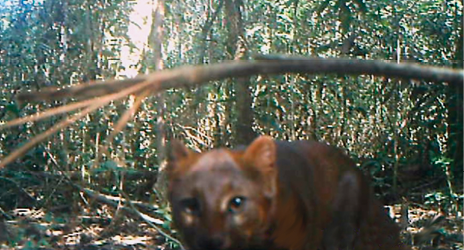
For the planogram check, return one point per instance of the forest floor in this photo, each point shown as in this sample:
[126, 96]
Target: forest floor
[37, 229]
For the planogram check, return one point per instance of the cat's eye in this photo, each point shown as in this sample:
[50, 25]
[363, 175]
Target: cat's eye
[190, 205]
[236, 204]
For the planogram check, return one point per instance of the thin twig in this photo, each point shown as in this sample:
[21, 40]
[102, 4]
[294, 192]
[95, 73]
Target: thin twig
[42, 136]
[148, 220]
[48, 113]
[128, 115]
[67, 121]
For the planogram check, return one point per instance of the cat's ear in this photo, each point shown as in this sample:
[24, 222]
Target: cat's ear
[177, 152]
[262, 153]
[261, 156]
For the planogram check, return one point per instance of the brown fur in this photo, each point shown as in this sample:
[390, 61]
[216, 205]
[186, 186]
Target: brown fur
[275, 195]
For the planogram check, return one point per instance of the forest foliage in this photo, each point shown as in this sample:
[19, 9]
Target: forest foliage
[405, 134]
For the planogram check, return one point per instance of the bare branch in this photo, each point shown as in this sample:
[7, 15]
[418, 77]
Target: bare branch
[264, 65]
[68, 121]
[188, 76]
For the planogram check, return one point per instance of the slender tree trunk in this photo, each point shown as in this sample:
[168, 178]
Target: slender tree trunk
[244, 125]
[153, 61]
[237, 48]
[455, 113]
[158, 20]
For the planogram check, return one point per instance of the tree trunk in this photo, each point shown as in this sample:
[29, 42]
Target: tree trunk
[155, 41]
[455, 113]
[237, 49]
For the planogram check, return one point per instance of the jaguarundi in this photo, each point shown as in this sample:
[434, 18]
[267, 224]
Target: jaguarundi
[275, 195]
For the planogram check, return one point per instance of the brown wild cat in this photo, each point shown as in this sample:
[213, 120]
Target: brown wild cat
[275, 195]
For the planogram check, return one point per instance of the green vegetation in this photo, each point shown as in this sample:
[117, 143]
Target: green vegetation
[407, 135]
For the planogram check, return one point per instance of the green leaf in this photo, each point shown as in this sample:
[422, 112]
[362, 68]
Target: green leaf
[110, 165]
[362, 5]
[323, 6]
[13, 109]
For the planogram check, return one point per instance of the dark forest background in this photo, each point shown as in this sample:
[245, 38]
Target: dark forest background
[407, 135]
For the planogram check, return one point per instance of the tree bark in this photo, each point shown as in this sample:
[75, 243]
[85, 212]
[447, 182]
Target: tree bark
[237, 48]
[455, 113]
